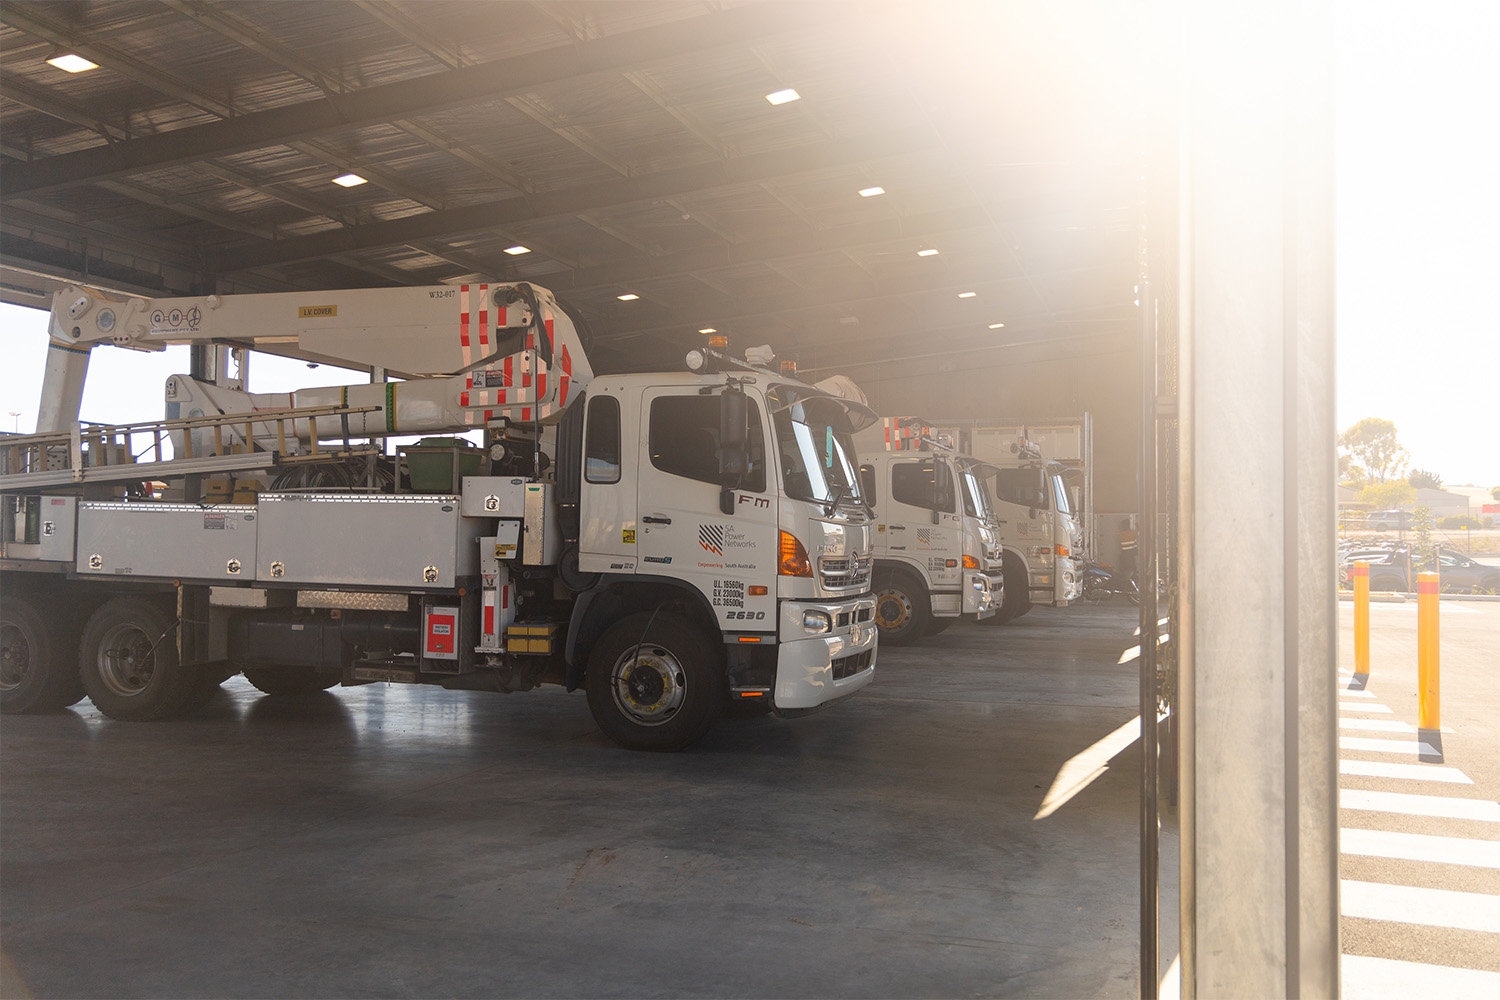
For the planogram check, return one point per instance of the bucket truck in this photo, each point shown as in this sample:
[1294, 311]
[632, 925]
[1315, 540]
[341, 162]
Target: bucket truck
[672, 543]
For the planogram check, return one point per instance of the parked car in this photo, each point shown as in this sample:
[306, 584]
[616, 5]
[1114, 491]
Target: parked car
[1388, 520]
[1457, 573]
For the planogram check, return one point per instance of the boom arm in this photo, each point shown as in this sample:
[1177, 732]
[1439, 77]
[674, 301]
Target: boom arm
[472, 352]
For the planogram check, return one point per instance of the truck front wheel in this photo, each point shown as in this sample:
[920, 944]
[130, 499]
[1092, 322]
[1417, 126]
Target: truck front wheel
[128, 661]
[37, 673]
[654, 683]
[1017, 599]
[902, 609]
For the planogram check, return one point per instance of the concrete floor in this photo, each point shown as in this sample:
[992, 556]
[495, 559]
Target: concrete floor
[394, 841]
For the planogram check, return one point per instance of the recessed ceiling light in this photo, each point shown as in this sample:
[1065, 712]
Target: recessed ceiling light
[967, 295]
[349, 180]
[997, 326]
[517, 250]
[628, 297]
[871, 192]
[708, 329]
[929, 252]
[784, 96]
[71, 62]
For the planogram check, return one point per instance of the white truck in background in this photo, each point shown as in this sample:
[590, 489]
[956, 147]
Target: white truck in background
[937, 554]
[1041, 536]
[674, 543]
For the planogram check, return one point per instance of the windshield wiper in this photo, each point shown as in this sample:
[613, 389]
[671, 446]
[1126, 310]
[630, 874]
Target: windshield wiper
[833, 502]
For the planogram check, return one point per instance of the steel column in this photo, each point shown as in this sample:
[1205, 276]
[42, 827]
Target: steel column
[1257, 692]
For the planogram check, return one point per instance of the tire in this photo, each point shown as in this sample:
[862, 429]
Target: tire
[128, 661]
[902, 608]
[655, 684]
[1017, 599]
[282, 681]
[36, 674]
[1489, 585]
[937, 626]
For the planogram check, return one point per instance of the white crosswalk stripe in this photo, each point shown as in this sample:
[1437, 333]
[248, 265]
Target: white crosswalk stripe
[1412, 747]
[1420, 847]
[1405, 904]
[1377, 725]
[1366, 978]
[1420, 805]
[1405, 772]
[1352, 706]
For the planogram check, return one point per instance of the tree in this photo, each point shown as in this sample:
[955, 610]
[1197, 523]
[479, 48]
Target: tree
[1389, 496]
[1496, 494]
[1373, 446]
[1421, 477]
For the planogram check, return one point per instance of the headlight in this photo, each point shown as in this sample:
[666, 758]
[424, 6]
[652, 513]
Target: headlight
[816, 621]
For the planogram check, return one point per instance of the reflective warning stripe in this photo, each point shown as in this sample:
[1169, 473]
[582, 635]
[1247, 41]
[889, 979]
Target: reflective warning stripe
[463, 323]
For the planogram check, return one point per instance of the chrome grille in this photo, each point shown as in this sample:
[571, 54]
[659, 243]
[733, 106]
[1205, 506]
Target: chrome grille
[843, 572]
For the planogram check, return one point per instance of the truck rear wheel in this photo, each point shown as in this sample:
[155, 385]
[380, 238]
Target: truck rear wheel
[654, 684]
[902, 608]
[37, 674]
[128, 661]
[290, 680]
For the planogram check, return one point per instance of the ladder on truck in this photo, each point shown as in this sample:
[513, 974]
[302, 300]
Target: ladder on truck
[101, 453]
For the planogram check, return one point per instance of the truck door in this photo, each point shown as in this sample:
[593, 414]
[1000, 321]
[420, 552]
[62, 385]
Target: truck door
[731, 558]
[922, 519]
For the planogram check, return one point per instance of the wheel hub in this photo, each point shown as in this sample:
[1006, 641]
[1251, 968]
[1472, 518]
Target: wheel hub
[892, 610]
[649, 684]
[127, 660]
[15, 657]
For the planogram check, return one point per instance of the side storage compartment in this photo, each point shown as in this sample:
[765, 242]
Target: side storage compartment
[170, 540]
[344, 540]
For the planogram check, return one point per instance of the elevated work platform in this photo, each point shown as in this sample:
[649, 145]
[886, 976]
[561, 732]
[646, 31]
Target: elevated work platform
[207, 445]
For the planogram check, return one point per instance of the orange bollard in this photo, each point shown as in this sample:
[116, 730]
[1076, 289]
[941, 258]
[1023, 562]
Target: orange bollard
[1428, 716]
[1360, 574]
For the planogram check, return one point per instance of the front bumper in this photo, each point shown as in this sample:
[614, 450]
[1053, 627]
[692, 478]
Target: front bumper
[982, 594]
[814, 670]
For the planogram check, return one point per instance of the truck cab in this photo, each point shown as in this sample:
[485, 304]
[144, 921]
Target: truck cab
[937, 553]
[1040, 534]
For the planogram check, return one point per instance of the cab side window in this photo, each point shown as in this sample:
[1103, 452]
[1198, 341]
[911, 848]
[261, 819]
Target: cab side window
[915, 483]
[684, 439]
[601, 441]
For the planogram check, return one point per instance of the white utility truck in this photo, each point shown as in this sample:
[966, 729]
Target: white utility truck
[1041, 536]
[937, 555]
[671, 542]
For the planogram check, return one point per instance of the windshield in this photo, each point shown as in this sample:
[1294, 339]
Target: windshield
[813, 440]
[1061, 493]
[1022, 486]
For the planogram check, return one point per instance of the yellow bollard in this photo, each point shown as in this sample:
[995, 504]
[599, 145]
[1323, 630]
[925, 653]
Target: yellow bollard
[1427, 652]
[1360, 574]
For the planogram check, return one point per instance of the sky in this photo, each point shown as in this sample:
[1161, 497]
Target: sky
[1418, 244]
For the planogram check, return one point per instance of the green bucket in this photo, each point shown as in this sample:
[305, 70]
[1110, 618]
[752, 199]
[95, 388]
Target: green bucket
[430, 463]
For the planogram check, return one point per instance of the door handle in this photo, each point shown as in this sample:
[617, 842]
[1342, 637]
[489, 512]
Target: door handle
[657, 520]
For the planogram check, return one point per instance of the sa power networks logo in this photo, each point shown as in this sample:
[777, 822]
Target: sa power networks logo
[711, 537]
